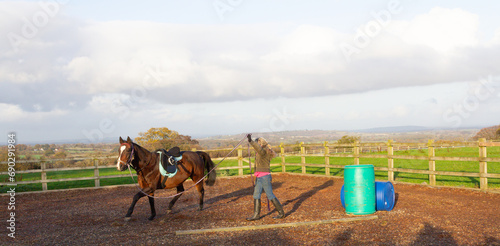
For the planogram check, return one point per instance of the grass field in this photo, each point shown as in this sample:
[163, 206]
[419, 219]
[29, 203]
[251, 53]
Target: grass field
[455, 166]
[69, 184]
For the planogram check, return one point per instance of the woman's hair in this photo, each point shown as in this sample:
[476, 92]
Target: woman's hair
[266, 146]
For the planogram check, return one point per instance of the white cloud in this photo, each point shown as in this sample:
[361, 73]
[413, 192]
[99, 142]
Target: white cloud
[14, 113]
[177, 63]
[306, 50]
[108, 103]
[11, 112]
[496, 38]
[117, 56]
[441, 29]
[399, 111]
[194, 75]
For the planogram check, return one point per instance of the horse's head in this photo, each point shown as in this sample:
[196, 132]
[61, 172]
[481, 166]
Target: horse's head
[125, 154]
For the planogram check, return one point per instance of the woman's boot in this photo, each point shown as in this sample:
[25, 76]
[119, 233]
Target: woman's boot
[256, 210]
[277, 205]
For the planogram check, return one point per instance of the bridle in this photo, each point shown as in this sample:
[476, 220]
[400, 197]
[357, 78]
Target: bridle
[131, 157]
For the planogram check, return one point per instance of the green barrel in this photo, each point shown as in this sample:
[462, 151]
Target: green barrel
[359, 189]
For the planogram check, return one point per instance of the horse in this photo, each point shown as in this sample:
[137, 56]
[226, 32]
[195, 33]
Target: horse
[146, 164]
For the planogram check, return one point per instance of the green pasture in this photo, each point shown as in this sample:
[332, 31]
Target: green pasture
[68, 175]
[454, 166]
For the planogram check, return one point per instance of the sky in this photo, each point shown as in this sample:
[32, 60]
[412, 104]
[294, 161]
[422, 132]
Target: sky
[94, 70]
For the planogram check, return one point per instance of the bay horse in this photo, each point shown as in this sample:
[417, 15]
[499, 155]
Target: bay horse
[146, 164]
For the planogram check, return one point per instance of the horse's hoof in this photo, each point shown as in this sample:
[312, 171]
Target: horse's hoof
[127, 219]
[152, 217]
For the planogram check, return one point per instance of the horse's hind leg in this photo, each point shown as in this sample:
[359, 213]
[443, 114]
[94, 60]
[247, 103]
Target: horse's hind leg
[180, 189]
[201, 190]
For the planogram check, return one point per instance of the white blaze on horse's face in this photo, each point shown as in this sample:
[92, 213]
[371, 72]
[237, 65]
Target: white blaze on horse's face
[122, 148]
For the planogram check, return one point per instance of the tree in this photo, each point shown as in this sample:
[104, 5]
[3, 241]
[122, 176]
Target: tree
[21, 147]
[4, 155]
[61, 154]
[346, 139]
[164, 138]
[488, 133]
[48, 152]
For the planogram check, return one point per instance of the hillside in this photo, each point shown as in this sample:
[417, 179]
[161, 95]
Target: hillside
[491, 132]
[369, 135]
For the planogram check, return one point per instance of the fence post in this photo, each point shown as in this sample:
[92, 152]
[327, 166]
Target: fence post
[356, 153]
[282, 150]
[327, 158]
[390, 161]
[43, 176]
[240, 160]
[483, 165]
[96, 173]
[303, 157]
[432, 163]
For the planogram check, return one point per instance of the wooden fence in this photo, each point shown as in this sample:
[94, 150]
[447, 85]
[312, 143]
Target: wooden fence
[482, 159]
[327, 150]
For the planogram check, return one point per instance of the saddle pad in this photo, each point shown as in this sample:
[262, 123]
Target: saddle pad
[171, 169]
[165, 173]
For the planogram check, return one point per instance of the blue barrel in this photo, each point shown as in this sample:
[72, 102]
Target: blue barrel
[385, 196]
[384, 193]
[359, 189]
[342, 196]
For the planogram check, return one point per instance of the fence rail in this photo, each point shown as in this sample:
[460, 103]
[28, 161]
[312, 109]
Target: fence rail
[482, 159]
[354, 151]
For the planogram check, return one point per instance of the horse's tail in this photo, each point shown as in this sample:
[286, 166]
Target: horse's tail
[209, 165]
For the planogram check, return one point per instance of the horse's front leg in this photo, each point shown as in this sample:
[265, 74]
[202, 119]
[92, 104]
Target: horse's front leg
[134, 201]
[152, 205]
[180, 189]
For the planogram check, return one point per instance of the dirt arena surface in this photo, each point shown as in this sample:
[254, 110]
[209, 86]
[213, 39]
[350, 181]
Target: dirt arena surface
[422, 216]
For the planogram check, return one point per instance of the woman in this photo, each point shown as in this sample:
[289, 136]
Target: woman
[263, 157]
